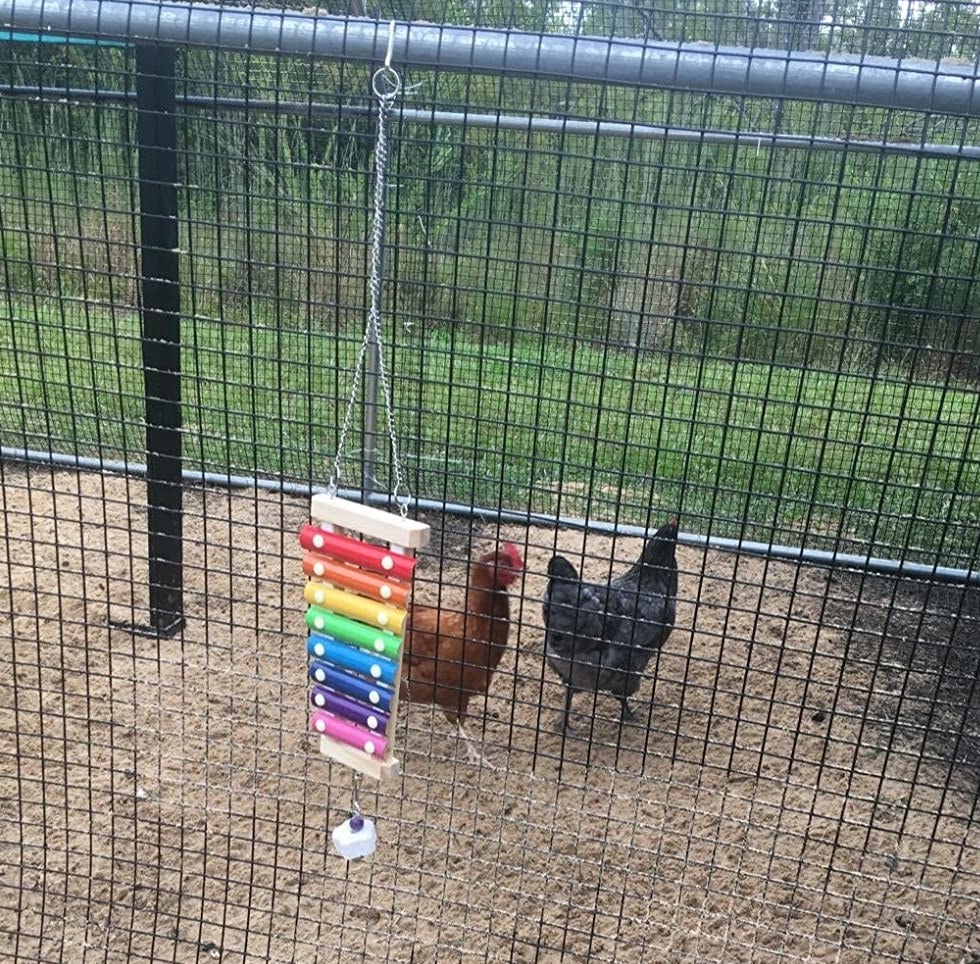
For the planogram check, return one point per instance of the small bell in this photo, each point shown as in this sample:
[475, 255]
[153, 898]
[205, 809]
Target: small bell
[355, 837]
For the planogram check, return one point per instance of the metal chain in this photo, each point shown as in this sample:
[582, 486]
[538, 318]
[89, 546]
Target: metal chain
[386, 85]
[355, 803]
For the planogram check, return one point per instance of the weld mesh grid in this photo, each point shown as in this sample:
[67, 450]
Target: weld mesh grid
[575, 328]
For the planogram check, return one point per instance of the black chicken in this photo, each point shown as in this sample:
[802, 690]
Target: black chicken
[601, 636]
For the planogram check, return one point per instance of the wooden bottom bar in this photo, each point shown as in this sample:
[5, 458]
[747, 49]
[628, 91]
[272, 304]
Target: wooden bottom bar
[358, 760]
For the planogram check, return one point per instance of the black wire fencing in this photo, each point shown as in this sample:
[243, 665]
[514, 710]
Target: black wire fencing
[641, 264]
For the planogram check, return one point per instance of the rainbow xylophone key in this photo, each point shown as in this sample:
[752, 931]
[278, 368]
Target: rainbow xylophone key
[358, 595]
[358, 608]
[332, 702]
[383, 561]
[354, 633]
[327, 724]
[350, 684]
[350, 658]
[361, 581]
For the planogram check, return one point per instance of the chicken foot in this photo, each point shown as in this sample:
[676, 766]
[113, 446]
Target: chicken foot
[472, 753]
[627, 713]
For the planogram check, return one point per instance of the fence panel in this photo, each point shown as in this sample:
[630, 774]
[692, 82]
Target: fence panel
[641, 264]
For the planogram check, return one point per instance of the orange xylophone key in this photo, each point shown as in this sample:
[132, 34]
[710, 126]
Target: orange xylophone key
[359, 580]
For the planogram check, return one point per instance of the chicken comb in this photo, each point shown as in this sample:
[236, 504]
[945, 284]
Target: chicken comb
[514, 554]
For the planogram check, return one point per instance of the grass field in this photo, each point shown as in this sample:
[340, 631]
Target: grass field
[796, 309]
[540, 422]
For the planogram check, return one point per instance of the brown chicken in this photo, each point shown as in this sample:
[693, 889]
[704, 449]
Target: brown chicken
[450, 655]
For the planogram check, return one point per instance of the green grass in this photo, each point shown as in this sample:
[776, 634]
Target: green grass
[513, 257]
[540, 423]
[762, 255]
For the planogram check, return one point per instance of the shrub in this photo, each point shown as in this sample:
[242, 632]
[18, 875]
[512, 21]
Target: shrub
[920, 287]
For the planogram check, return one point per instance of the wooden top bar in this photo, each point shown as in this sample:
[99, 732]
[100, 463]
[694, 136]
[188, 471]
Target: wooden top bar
[375, 523]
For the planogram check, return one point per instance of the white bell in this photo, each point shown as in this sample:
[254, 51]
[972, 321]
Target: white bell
[355, 837]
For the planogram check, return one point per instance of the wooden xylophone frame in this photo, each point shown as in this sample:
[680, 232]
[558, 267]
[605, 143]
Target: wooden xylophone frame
[404, 536]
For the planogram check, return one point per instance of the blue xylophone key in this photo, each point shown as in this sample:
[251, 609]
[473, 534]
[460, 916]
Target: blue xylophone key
[351, 658]
[332, 702]
[356, 687]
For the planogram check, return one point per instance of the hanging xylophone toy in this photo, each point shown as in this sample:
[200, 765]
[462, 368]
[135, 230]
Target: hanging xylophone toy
[358, 594]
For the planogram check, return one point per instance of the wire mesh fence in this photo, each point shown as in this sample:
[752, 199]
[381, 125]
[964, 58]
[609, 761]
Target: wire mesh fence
[624, 283]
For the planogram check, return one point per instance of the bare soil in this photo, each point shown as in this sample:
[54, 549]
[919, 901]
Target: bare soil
[801, 784]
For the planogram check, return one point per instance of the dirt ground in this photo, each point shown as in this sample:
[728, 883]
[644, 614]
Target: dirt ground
[801, 784]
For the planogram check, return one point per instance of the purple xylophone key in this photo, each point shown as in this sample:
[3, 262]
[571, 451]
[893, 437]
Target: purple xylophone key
[366, 716]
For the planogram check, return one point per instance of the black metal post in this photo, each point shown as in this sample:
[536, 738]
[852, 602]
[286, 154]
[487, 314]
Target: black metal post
[156, 135]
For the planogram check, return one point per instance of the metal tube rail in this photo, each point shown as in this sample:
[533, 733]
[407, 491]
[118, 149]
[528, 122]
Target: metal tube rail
[516, 122]
[819, 557]
[827, 77]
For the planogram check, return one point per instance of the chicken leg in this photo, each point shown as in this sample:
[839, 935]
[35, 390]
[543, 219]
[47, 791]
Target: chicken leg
[563, 725]
[472, 753]
[628, 715]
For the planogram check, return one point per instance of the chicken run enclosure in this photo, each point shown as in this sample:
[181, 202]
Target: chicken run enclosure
[630, 264]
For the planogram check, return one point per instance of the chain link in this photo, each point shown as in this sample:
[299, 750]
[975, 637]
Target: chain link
[355, 796]
[386, 85]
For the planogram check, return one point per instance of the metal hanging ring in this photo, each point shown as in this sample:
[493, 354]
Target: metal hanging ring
[386, 83]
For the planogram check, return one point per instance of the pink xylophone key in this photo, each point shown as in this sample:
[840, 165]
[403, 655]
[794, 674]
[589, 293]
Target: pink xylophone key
[328, 725]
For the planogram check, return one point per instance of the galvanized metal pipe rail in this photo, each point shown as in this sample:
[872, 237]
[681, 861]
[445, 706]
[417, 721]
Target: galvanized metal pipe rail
[817, 557]
[827, 77]
[571, 127]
